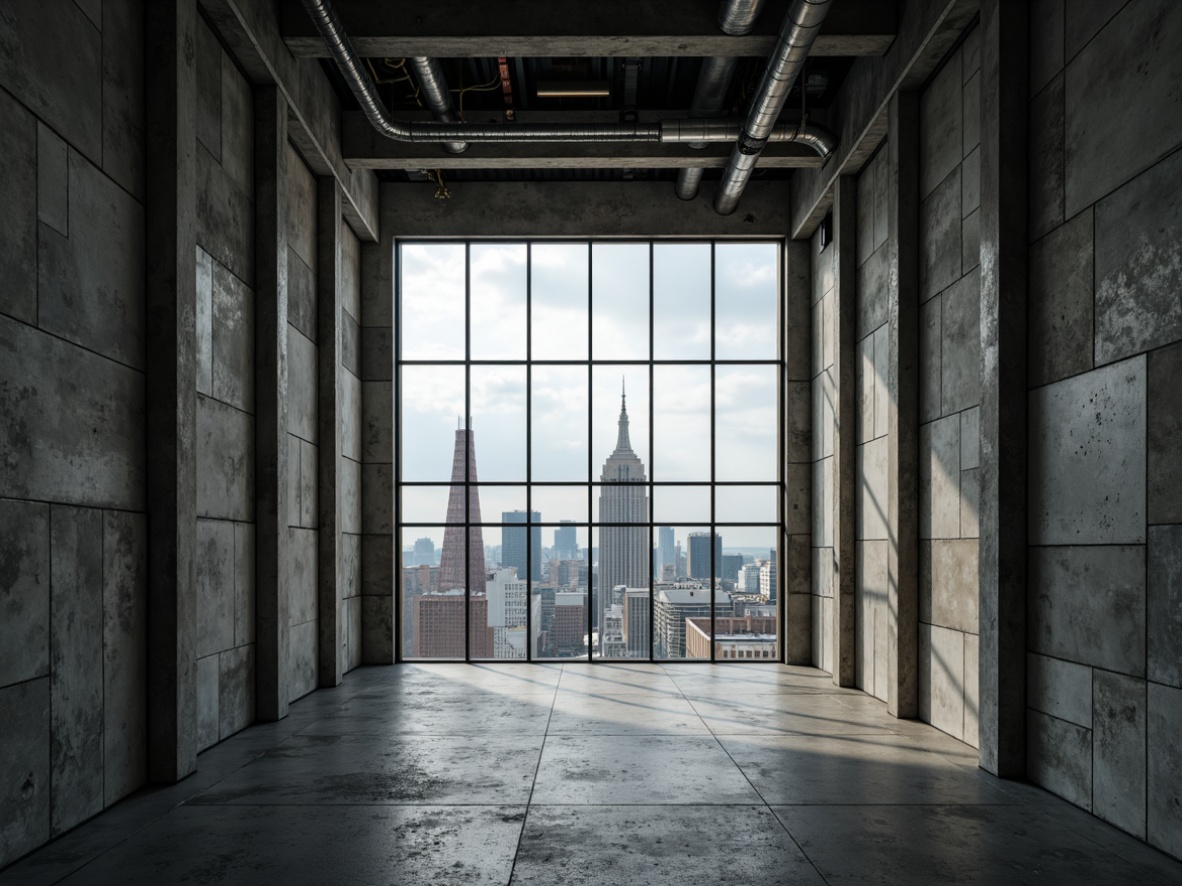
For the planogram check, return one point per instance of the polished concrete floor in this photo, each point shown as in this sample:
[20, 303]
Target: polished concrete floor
[581, 774]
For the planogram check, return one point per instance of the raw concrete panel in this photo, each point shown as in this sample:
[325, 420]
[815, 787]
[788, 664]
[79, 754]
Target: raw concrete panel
[822, 571]
[351, 274]
[377, 283]
[350, 345]
[302, 660]
[970, 504]
[377, 353]
[1059, 758]
[940, 126]
[871, 479]
[971, 109]
[822, 268]
[293, 480]
[124, 158]
[1060, 688]
[350, 496]
[235, 690]
[309, 488]
[225, 461]
[204, 315]
[24, 768]
[69, 97]
[302, 411]
[76, 664]
[52, 197]
[302, 575]
[797, 639]
[350, 578]
[822, 429]
[208, 64]
[947, 680]
[960, 334]
[970, 438]
[1106, 145]
[864, 214]
[301, 295]
[1164, 605]
[972, 689]
[954, 584]
[939, 475]
[882, 391]
[301, 210]
[864, 384]
[1165, 768]
[1139, 258]
[353, 605]
[208, 704]
[125, 654]
[233, 340]
[237, 126]
[1118, 751]
[870, 602]
[798, 422]
[377, 443]
[24, 591]
[244, 562]
[1087, 604]
[1046, 160]
[1061, 293]
[881, 200]
[972, 52]
[377, 501]
[939, 237]
[225, 218]
[1092, 426]
[1046, 42]
[872, 279]
[798, 511]
[930, 337]
[377, 565]
[91, 284]
[215, 586]
[1164, 430]
[377, 629]
[823, 503]
[92, 451]
[970, 184]
[970, 242]
[350, 411]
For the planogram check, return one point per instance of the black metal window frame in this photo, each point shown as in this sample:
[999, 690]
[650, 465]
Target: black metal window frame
[590, 362]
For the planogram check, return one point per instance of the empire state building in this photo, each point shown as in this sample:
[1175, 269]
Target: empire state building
[623, 550]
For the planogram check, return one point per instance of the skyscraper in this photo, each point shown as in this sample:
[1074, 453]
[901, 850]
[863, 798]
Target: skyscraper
[566, 541]
[666, 552]
[624, 551]
[699, 554]
[451, 562]
[514, 548]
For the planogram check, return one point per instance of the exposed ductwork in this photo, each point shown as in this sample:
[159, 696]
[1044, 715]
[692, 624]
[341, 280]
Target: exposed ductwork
[801, 26]
[735, 17]
[434, 89]
[675, 131]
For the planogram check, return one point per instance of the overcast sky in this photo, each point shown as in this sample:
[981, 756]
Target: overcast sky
[433, 327]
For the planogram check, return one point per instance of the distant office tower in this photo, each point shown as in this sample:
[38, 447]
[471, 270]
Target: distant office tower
[567, 573]
[731, 563]
[424, 553]
[439, 626]
[750, 637]
[624, 551]
[457, 536]
[566, 542]
[666, 552]
[747, 581]
[673, 605]
[699, 554]
[767, 578]
[635, 623]
[570, 623]
[507, 602]
[514, 549]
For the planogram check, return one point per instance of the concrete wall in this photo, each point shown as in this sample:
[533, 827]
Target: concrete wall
[823, 371]
[225, 395]
[350, 479]
[1104, 633]
[949, 392]
[73, 589]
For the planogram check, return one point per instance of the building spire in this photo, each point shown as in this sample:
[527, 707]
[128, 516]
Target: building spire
[623, 443]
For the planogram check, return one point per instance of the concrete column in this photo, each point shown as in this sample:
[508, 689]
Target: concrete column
[331, 665]
[845, 394]
[903, 413]
[271, 534]
[171, 382]
[795, 575]
[1002, 566]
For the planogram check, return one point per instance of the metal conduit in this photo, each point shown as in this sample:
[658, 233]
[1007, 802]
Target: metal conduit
[735, 17]
[435, 91]
[797, 34]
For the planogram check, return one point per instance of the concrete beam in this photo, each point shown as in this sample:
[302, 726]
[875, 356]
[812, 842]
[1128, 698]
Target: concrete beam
[577, 209]
[1002, 563]
[251, 32]
[331, 666]
[927, 30]
[796, 574]
[845, 434]
[903, 411]
[271, 446]
[459, 29]
[171, 385]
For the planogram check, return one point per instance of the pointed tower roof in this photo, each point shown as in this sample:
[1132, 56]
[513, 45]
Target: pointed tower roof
[623, 443]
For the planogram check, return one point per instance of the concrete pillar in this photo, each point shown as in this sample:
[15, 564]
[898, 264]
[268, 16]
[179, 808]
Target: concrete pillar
[845, 394]
[271, 534]
[171, 385]
[1002, 565]
[795, 575]
[903, 412]
[331, 666]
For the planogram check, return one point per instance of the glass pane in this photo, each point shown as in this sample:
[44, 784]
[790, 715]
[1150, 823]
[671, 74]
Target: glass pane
[499, 628]
[498, 301]
[561, 503]
[619, 422]
[433, 618]
[745, 504]
[681, 423]
[619, 301]
[426, 504]
[495, 501]
[559, 293]
[622, 592]
[560, 599]
[681, 602]
[560, 400]
[747, 281]
[498, 421]
[681, 301]
[749, 631]
[432, 307]
[745, 423]
[521, 545]
[432, 404]
[673, 503]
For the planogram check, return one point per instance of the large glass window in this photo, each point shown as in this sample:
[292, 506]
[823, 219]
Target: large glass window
[589, 456]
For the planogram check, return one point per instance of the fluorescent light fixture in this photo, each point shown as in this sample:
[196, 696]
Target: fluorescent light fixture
[575, 89]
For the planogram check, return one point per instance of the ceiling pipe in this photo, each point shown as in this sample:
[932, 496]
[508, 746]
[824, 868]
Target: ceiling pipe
[435, 91]
[735, 17]
[801, 26]
[676, 131]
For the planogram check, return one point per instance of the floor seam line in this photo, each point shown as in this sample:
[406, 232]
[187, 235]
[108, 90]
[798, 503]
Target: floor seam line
[533, 785]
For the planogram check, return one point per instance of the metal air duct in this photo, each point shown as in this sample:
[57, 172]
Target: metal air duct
[435, 91]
